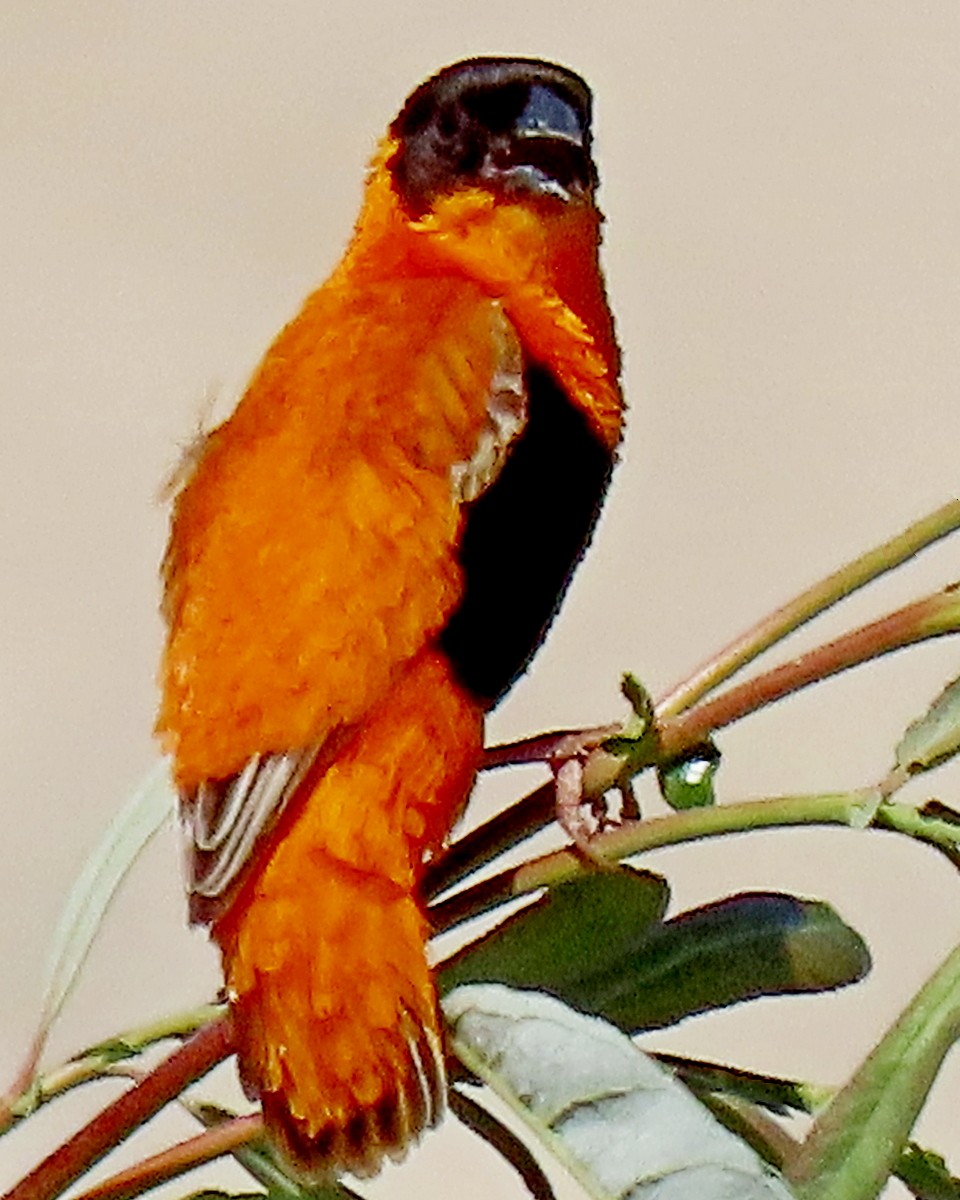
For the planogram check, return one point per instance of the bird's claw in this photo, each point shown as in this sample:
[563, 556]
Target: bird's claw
[580, 815]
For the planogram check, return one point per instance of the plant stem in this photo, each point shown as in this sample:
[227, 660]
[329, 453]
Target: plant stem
[857, 1139]
[97, 1062]
[855, 808]
[118, 1120]
[809, 604]
[561, 743]
[933, 616]
[176, 1160]
[475, 849]
[504, 1141]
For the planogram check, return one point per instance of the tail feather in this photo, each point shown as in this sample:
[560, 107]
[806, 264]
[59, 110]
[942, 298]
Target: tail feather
[343, 1048]
[358, 1136]
[324, 954]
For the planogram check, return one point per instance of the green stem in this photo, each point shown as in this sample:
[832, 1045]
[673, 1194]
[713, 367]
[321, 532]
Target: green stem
[113, 1124]
[933, 616]
[809, 604]
[856, 809]
[99, 1060]
[857, 1139]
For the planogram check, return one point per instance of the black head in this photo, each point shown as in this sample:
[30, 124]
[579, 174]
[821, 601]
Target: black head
[513, 125]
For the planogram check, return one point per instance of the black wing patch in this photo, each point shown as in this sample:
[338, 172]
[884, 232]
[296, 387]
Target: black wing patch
[522, 538]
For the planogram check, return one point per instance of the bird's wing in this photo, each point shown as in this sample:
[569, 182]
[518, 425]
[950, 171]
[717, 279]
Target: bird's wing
[309, 564]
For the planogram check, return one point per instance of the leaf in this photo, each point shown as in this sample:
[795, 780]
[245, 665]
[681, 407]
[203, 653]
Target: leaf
[126, 836]
[637, 697]
[781, 1096]
[616, 1119]
[577, 929]
[934, 737]
[636, 744]
[688, 782]
[926, 1175]
[745, 946]
[90, 897]
[857, 1139]
[217, 1194]
[598, 943]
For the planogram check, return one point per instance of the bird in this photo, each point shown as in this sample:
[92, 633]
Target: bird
[362, 560]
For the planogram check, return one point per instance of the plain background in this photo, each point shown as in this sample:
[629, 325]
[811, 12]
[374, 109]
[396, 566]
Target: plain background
[781, 184]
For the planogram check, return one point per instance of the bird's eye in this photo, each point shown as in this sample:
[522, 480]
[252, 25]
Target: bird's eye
[447, 123]
[496, 109]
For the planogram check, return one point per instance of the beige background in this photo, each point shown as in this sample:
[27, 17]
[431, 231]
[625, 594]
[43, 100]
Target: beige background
[781, 181]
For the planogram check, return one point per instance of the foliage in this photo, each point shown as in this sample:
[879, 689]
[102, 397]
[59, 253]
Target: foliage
[543, 1008]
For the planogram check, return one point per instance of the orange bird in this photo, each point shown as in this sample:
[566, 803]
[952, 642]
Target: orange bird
[363, 559]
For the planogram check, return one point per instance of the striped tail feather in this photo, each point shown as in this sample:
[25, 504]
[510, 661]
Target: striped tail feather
[336, 1023]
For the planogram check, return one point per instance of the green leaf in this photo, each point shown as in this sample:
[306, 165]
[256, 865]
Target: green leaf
[578, 928]
[926, 1175]
[599, 943]
[147, 809]
[688, 782]
[217, 1194]
[636, 745]
[935, 736]
[637, 697]
[739, 948]
[857, 1139]
[733, 950]
[780, 1096]
[608, 1112]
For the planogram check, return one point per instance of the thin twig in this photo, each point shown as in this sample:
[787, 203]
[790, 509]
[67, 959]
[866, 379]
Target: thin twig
[488, 841]
[101, 1061]
[177, 1160]
[559, 744]
[809, 604]
[933, 616]
[507, 1144]
[118, 1120]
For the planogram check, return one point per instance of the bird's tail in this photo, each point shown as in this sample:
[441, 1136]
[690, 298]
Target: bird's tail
[325, 954]
[336, 1024]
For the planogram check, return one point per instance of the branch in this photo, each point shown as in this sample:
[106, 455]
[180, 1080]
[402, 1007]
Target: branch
[488, 841]
[177, 1160]
[933, 616]
[834, 808]
[100, 1061]
[118, 1120]
[809, 604]
[503, 1140]
[856, 809]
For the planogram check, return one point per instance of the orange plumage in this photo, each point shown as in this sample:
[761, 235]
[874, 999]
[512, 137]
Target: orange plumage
[348, 588]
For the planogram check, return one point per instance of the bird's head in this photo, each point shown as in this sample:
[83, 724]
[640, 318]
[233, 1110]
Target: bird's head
[488, 167]
[518, 129]
[487, 173]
